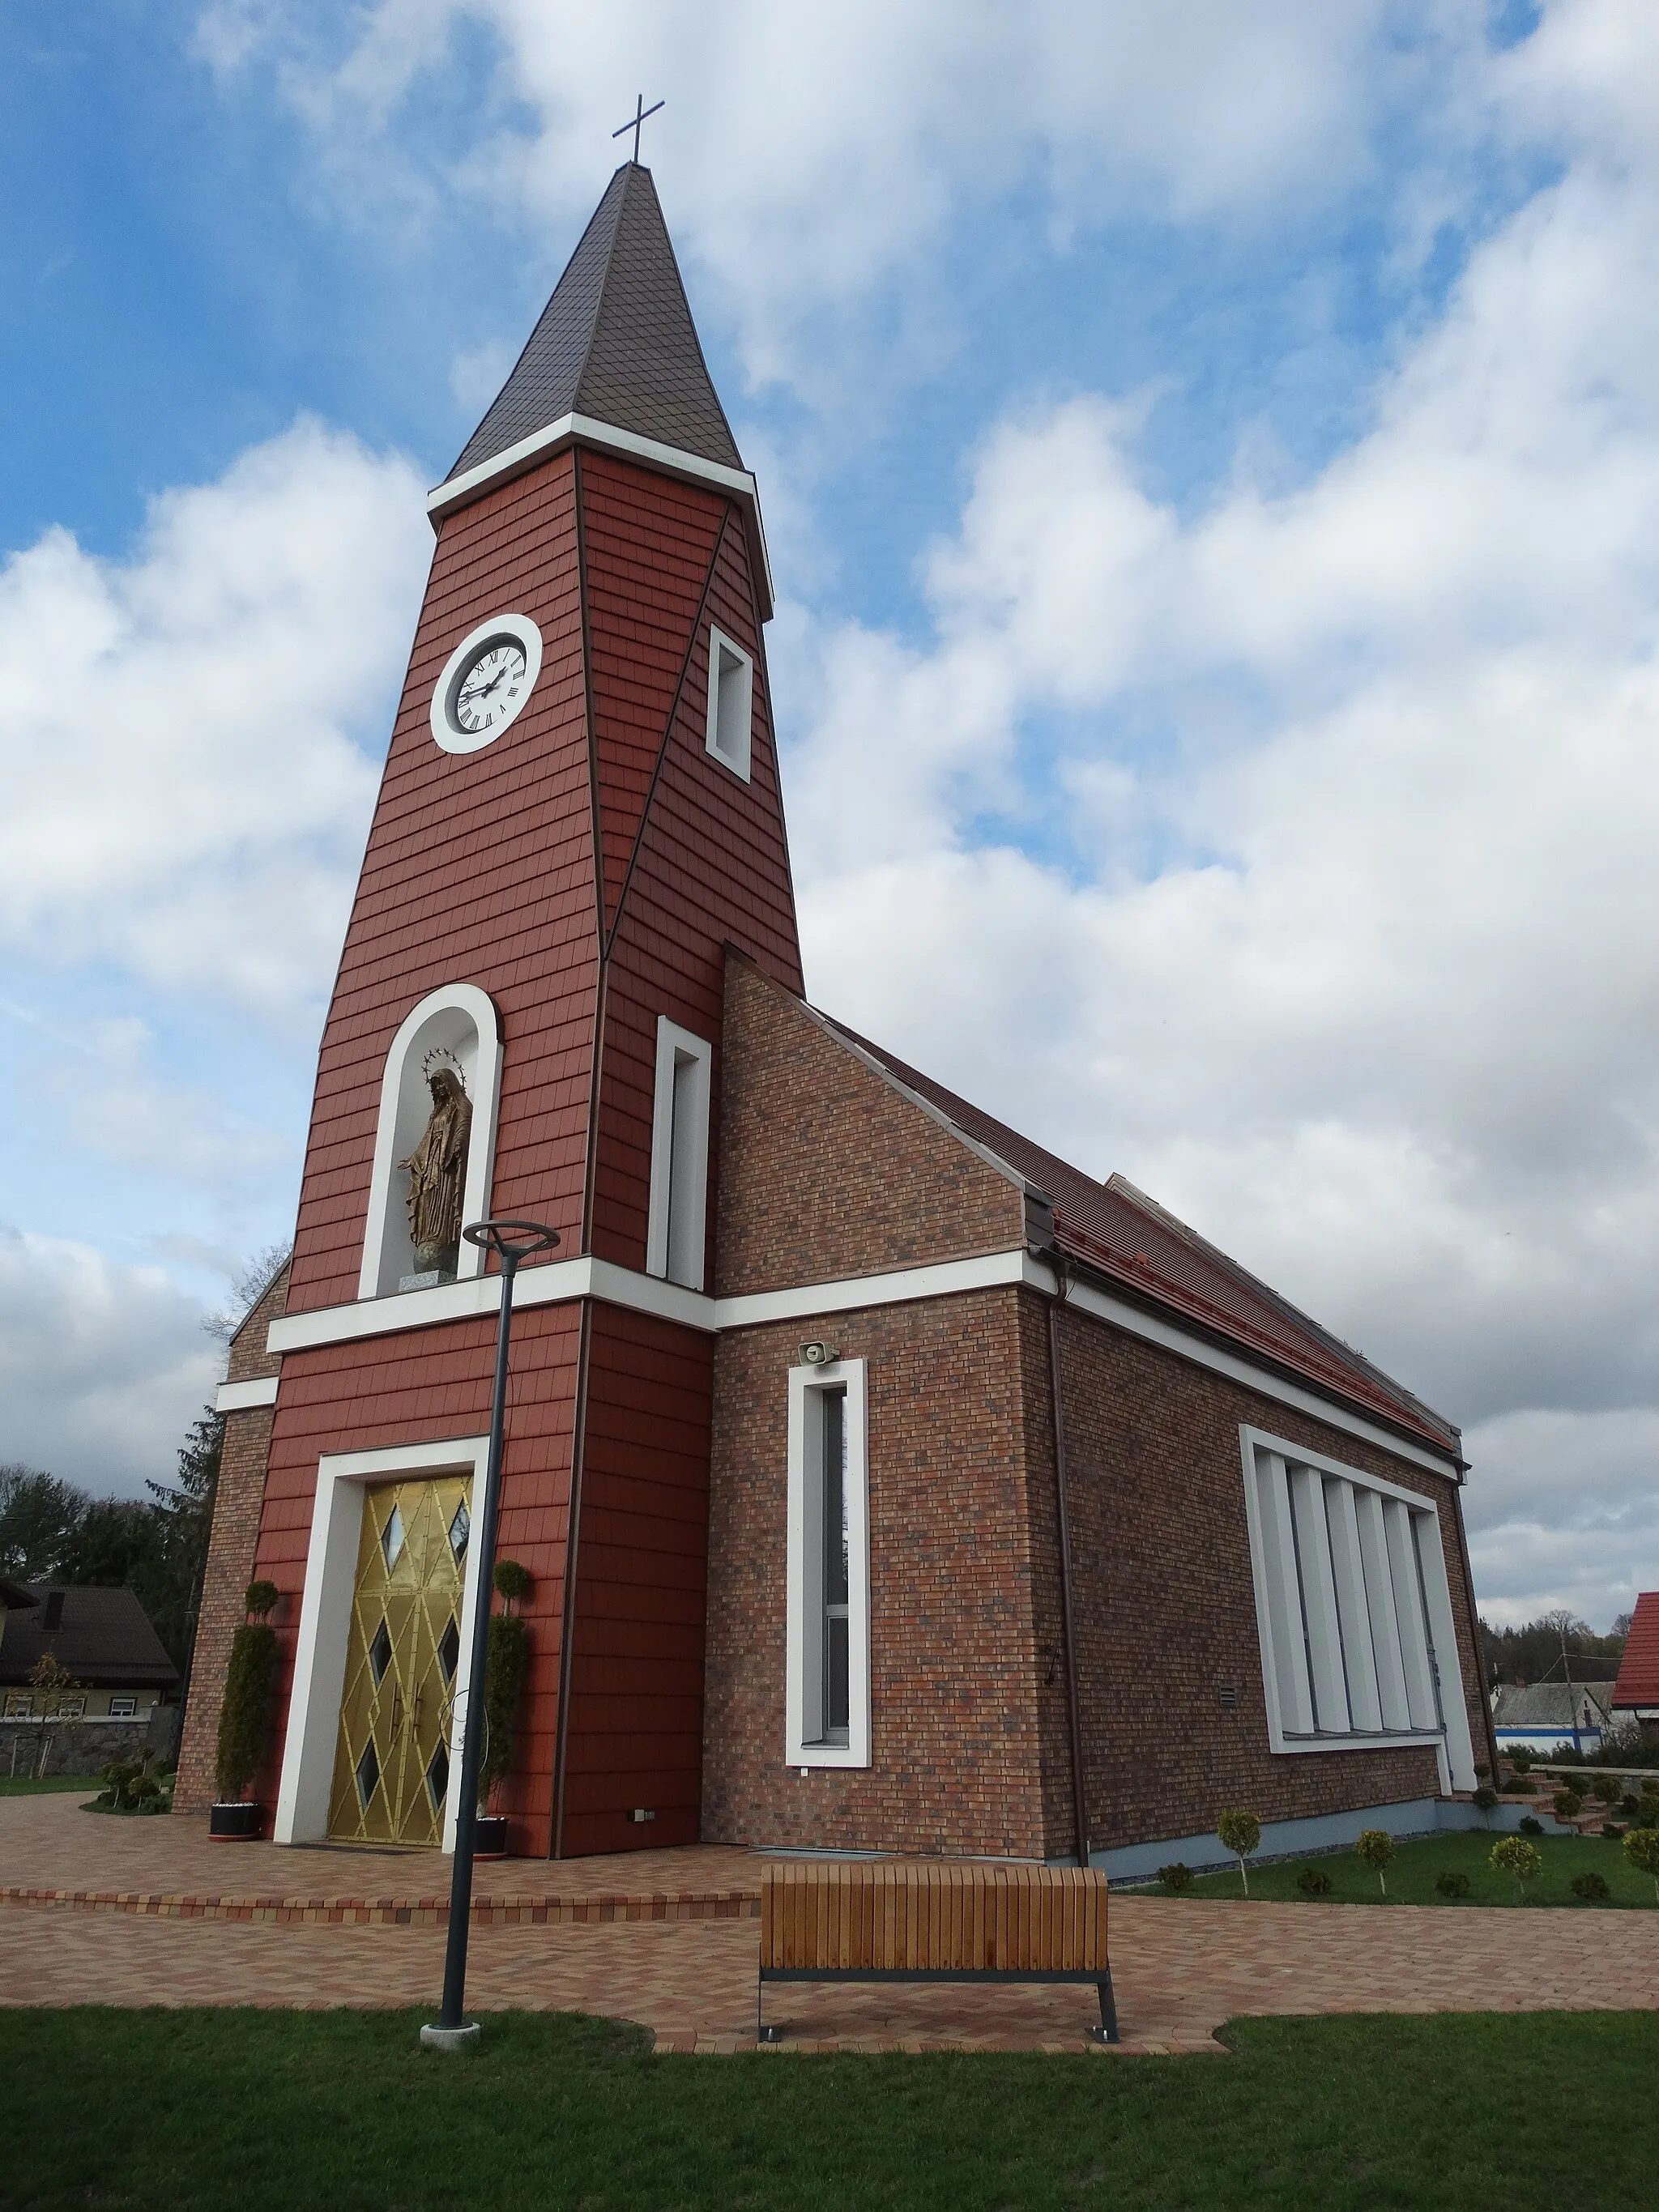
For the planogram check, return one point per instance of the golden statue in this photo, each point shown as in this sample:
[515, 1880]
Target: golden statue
[437, 1174]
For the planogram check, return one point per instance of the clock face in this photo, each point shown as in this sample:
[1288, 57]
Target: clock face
[486, 683]
[490, 687]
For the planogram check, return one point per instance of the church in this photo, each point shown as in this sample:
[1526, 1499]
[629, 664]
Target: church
[884, 1483]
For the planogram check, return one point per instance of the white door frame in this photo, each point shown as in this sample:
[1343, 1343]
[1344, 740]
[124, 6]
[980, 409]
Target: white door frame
[319, 1658]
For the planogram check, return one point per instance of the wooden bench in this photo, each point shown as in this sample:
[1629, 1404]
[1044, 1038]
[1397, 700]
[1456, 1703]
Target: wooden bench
[898, 1921]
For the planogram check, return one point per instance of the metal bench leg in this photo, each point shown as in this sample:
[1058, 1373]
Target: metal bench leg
[764, 2034]
[1107, 2032]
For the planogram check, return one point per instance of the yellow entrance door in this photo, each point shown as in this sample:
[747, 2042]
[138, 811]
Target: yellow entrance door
[391, 1769]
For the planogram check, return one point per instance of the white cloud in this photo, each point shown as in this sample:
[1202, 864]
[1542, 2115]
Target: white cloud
[102, 1367]
[815, 151]
[186, 792]
[1336, 917]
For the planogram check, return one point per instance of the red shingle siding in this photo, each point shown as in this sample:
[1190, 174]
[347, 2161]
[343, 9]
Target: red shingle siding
[637, 1655]
[825, 1169]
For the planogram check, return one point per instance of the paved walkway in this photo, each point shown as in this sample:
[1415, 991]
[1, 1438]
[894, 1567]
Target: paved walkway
[1181, 1966]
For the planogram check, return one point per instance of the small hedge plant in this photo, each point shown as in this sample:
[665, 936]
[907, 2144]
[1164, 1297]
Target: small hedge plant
[1592, 1887]
[1240, 1832]
[507, 1662]
[134, 1784]
[250, 1704]
[1526, 1825]
[1568, 1804]
[1450, 1884]
[1513, 1855]
[1641, 1848]
[1375, 1847]
[1175, 1877]
[1313, 1882]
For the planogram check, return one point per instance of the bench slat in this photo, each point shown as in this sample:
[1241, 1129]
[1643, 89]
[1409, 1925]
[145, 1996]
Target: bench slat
[890, 1915]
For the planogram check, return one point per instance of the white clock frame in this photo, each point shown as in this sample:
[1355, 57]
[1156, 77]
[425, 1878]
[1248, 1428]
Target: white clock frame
[523, 633]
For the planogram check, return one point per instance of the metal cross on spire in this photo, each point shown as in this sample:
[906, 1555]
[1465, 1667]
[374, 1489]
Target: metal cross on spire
[641, 112]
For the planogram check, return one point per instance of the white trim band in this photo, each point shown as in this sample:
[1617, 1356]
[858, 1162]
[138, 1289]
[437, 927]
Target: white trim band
[562, 1279]
[242, 1397]
[541, 446]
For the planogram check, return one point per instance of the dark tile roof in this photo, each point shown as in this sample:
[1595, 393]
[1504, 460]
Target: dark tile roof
[616, 341]
[1118, 1232]
[103, 1638]
[1638, 1670]
[1551, 1704]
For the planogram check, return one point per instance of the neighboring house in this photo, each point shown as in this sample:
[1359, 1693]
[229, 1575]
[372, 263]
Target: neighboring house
[1546, 1717]
[103, 1639]
[867, 1458]
[1636, 1694]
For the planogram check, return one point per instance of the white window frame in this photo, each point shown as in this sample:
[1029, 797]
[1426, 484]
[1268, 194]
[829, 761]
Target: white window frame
[463, 1019]
[677, 1223]
[123, 1708]
[1353, 1609]
[803, 1636]
[736, 723]
[325, 1631]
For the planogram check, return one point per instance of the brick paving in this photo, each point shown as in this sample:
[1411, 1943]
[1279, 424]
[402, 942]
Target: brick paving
[1181, 1966]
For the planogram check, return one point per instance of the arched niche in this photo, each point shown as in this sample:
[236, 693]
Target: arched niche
[460, 1021]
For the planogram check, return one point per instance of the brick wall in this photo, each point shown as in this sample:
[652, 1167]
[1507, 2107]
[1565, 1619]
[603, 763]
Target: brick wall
[235, 1534]
[958, 1735]
[825, 1169]
[1165, 1602]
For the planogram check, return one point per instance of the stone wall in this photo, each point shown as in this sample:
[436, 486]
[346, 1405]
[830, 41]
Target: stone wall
[85, 1745]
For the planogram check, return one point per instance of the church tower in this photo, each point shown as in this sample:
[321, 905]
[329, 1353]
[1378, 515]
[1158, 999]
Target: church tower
[580, 812]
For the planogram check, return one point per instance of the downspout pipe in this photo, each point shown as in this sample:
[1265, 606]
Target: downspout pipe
[1067, 1611]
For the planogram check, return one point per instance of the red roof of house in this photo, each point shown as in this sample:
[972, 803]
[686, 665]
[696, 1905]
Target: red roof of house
[1117, 1231]
[1638, 1670]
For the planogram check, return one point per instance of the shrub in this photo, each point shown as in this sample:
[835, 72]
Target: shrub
[1641, 1848]
[507, 1662]
[1313, 1882]
[1175, 1877]
[1526, 1825]
[132, 1784]
[1514, 1856]
[1520, 1760]
[1519, 1785]
[1606, 1788]
[1375, 1847]
[1615, 1829]
[1486, 1797]
[1240, 1832]
[1592, 1887]
[1627, 1805]
[1452, 1885]
[250, 1704]
[1568, 1804]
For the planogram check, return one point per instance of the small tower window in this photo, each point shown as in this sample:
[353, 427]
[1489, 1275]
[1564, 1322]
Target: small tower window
[731, 702]
[679, 1156]
[827, 1573]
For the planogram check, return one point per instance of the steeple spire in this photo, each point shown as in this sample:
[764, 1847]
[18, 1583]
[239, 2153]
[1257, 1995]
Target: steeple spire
[614, 343]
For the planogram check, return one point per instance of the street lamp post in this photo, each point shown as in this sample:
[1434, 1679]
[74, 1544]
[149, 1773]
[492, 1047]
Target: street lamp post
[511, 1242]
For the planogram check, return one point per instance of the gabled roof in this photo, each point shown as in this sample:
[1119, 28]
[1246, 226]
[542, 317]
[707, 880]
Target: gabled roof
[1551, 1704]
[1115, 1232]
[1638, 1670]
[616, 341]
[102, 1637]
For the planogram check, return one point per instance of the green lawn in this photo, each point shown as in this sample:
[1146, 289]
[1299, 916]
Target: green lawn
[25, 1785]
[341, 2111]
[1411, 1877]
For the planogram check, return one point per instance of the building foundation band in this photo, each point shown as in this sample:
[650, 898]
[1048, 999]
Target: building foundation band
[884, 1482]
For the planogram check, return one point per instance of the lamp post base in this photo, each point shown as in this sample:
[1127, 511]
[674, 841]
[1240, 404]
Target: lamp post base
[450, 2038]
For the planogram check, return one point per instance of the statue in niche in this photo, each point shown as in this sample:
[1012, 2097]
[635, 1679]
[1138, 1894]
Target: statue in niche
[437, 1177]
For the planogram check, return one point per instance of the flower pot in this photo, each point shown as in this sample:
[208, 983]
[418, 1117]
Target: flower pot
[489, 1836]
[236, 1824]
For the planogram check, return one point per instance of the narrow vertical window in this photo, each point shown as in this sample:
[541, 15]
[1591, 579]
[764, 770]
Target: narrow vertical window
[679, 1156]
[827, 1570]
[834, 1480]
[731, 702]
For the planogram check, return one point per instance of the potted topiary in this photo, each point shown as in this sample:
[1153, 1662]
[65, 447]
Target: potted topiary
[507, 1662]
[245, 1720]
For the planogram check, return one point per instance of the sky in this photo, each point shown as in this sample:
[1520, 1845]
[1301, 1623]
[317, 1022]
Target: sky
[1211, 463]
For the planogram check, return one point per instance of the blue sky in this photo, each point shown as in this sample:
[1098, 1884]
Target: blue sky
[1209, 459]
